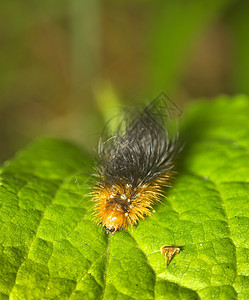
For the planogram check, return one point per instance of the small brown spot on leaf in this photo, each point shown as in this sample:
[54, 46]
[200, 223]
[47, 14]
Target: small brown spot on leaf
[169, 252]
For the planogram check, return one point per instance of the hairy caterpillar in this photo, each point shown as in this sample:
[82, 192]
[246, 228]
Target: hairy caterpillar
[134, 166]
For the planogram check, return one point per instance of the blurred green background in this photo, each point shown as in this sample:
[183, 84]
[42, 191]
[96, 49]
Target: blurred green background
[66, 67]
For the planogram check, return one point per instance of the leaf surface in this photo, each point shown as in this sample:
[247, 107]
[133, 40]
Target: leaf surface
[51, 249]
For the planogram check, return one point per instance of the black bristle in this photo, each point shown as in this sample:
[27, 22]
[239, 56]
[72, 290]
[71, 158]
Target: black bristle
[143, 150]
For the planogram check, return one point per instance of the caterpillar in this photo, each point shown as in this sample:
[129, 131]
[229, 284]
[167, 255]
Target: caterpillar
[134, 165]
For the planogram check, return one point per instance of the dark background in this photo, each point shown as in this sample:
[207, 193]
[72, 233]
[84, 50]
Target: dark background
[66, 67]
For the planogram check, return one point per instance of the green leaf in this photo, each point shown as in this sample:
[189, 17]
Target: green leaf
[51, 249]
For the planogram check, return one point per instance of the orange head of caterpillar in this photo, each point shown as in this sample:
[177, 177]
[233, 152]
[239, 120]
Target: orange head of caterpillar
[121, 205]
[112, 207]
[113, 219]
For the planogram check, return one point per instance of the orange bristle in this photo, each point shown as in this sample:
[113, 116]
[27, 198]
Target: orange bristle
[118, 206]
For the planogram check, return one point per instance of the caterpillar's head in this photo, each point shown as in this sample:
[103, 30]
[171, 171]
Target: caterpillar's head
[113, 206]
[113, 219]
[121, 205]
